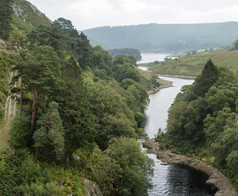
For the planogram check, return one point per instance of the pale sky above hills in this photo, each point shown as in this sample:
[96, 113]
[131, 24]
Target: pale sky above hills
[86, 14]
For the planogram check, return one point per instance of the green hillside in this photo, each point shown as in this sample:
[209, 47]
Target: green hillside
[166, 37]
[70, 114]
[192, 65]
[26, 16]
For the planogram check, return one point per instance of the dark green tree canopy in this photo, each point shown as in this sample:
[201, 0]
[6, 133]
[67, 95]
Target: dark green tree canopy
[47, 36]
[64, 25]
[6, 12]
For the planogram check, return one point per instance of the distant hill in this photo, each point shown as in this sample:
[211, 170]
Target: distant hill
[165, 37]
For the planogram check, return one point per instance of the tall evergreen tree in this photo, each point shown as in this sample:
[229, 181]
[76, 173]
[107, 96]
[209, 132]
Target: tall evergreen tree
[47, 36]
[39, 74]
[5, 18]
[84, 51]
[78, 123]
[208, 77]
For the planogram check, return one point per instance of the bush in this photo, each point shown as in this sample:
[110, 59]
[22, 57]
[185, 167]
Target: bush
[20, 132]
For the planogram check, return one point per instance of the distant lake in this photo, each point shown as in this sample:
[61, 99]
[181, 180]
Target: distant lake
[151, 57]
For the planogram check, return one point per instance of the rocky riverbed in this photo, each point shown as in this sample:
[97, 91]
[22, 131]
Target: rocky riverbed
[215, 178]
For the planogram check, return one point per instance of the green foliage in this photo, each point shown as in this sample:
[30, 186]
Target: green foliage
[40, 189]
[204, 115]
[6, 12]
[49, 139]
[20, 132]
[193, 65]
[64, 25]
[235, 47]
[77, 118]
[74, 110]
[204, 81]
[136, 166]
[84, 51]
[102, 60]
[106, 171]
[126, 51]
[47, 36]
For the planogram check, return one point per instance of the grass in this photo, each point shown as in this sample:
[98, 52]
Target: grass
[145, 74]
[192, 65]
[4, 136]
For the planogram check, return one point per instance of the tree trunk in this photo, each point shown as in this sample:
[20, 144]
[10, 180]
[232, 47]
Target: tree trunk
[33, 115]
[20, 95]
[36, 155]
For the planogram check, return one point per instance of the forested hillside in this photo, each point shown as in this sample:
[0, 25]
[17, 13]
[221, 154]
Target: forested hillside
[165, 37]
[203, 121]
[80, 112]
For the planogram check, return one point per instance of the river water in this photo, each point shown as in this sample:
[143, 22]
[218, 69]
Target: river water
[151, 57]
[170, 180]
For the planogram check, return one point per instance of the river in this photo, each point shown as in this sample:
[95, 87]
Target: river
[151, 57]
[170, 180]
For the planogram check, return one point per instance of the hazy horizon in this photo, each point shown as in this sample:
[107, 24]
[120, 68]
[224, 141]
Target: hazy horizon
[87, 14]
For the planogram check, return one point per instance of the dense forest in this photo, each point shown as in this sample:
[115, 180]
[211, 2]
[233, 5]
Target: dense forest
[203, 121]
[126, 51]
[165, 37]
[80, 112]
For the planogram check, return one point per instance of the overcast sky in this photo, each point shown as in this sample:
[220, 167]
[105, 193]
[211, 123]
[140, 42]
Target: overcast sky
[86, 14]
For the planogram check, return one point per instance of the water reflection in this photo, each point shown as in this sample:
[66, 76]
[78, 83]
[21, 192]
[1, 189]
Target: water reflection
[170, 180]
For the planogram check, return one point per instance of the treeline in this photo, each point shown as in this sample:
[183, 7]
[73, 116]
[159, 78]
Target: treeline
[80, 115]
[166, 37]
[126, 51]
[203, 120]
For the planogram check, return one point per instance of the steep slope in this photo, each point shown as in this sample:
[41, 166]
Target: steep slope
[26, 16]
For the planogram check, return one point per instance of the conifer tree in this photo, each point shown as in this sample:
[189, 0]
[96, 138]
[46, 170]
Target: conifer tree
[5, 18]
[84, 51]
[78, 123]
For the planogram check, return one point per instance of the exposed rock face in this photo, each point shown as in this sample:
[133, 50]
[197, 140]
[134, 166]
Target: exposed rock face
[216, 178]
[18, 11]
[92, 189]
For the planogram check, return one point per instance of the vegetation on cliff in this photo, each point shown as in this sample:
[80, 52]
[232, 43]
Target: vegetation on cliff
[80, 113]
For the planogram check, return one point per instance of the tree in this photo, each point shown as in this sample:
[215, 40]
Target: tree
[47, 36]
[137, 168]
[77, 118]
[207, 78]
[64, 25]
[20, 131]
[49, 138]
[235, 47]
[6, 12]
[39, 74]
[105, 171]
[84, 51]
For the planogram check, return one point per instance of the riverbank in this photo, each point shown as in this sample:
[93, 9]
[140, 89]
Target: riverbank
[163, 84]
[177, 76]
[215, 177]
